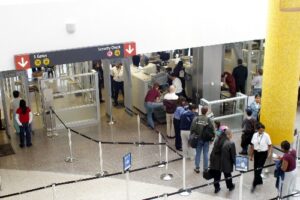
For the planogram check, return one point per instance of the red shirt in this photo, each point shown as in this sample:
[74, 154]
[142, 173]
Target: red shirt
[290, 158]
[24, 118]
[152, 95]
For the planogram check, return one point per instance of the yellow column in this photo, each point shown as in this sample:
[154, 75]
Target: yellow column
[281, 70]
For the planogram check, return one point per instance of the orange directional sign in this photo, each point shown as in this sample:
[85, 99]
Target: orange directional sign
[129, 49]
[22, 62]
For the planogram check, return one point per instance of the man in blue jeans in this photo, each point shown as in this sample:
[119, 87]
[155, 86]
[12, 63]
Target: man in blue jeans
[152, 101]
[197, 127]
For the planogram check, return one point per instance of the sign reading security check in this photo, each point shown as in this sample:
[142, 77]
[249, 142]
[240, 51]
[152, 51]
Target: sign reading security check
[110, 51]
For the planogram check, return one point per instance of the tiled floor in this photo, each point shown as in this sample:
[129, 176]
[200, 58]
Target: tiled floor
[44, 164]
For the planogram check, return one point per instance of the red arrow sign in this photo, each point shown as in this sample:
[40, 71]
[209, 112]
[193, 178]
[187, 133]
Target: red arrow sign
[22, 62]
[129, 49]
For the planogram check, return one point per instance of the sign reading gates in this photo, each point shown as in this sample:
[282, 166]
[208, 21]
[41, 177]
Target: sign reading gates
[59, 57]
[241, 163]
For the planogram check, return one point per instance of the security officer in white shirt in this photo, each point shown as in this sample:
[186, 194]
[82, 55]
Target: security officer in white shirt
[176, 82]
[261, 147]
[118, 79]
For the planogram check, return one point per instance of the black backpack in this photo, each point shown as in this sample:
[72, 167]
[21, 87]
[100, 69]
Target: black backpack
[208, 132]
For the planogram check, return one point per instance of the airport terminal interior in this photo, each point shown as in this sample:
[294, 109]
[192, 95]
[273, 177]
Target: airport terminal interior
[91, 137]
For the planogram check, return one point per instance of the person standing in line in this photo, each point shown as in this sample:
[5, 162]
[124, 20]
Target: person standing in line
[186, 120]
[152, 101]
[197, 126]
[261, 147]
[255, 107]
[170, 103]
[97, 66]
[257, 83]
[248, 126]
[24, 119]
[177, 84]
[14, 105]
[240, 74]
[222, 159]
[176, 121]
[117, 73]
[289, 167]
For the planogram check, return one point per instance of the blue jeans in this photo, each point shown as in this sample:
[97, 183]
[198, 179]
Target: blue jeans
[205, 147]
[25, 132]
[150, 106]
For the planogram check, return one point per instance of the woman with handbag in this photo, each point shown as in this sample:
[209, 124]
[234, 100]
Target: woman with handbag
[222, 159]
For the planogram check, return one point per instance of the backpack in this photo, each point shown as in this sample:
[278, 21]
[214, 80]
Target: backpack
[208, 132]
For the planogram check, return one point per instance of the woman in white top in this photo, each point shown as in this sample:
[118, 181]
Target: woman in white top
[257, 83]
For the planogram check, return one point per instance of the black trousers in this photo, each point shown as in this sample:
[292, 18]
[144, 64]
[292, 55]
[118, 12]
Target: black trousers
[217, 177]
[259, 161]
[118, 86]
[176, 123]
[240, 88]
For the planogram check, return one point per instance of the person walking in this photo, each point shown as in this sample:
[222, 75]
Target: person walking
[222, 159]
[289, 167]
[170, 103]
[152, 101]
[14, 105]
[176, 121]
[240, 74]
[248, 126]
[261, 147]
[24, 119]
[186, 120]
[198, 125]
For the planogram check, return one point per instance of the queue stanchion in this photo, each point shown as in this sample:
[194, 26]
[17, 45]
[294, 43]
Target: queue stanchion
[53, 192]
[161, 164]
[241, 186]
[298, 149]
[101, 173]
[37, 113]
[52, 132]
[70, 158]
[0, 183]
[166, 176]
[139, 129]
[184, 191]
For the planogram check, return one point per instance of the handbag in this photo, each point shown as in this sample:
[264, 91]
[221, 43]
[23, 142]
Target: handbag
[207, 174]
[193, 140]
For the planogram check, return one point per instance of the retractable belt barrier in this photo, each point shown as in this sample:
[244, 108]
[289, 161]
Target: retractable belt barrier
[106, 142]
[204, 185]
[135, 170]
[83, 180]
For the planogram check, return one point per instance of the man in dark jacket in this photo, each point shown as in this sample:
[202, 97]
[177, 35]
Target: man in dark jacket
[222, 159]
[240, 74]
[186, 120]
[248, 125]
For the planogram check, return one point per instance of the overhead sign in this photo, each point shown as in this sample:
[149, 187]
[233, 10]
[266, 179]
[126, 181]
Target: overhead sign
[127, 162]
[59, 57]
[22, 62]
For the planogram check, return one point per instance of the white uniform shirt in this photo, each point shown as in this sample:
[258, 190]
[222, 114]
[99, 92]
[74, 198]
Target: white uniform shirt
[170, 96]
[178, 85]
[261, 142]
[117, 74]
